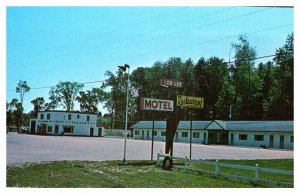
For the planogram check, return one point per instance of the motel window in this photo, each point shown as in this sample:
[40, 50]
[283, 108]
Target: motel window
[50, 129]
[78, 116]
[42, 116]
[259, 137]
[163, 133]
[87, 118]
[184, 134]
[69, 116]
[155, 133]
[243, 136]
[196, 135]
[292, 139]
[68, 129]
[136, 132]
[48, 116]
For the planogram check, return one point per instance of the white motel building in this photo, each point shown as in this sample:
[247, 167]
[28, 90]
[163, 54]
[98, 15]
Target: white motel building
[65, 123]
[268, 134]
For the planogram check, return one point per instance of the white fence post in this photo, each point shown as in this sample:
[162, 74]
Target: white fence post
[185, 163]
[157, 160]
[256, 173]
[217, 168]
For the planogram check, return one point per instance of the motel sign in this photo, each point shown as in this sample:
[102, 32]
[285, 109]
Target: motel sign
[170, 83]
[190, 101]
[156, 104]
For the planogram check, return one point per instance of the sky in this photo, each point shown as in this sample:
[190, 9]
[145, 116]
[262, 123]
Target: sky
[45, 45]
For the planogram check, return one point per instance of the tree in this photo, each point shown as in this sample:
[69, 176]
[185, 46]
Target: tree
[89, 100]
[64, 94]
[10, 107]
[280, 104]
[21, 88]
[18, 115]
[38, 105]
[242, 73]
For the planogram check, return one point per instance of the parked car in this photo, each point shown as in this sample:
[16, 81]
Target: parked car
[23, 130]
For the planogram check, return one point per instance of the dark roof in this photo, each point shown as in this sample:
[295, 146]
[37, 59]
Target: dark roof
[275, 126]
[195, 124]
[280, 126]
[78, 112]
[148, 125]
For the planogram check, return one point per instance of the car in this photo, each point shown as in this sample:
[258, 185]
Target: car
[23, 130]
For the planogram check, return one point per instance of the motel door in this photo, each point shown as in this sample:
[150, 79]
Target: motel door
[271, 141]
[142, 134]
[91, 132]
[231, 139]
[147, 134]
[281, 145]
[56, 129]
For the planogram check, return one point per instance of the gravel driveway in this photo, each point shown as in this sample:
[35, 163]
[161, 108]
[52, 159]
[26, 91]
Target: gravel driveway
[23, 148]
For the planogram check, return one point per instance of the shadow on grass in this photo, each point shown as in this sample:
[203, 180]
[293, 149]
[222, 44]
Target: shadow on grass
[137, 163]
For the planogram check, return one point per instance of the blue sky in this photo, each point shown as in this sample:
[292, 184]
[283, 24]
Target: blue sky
[46, 45]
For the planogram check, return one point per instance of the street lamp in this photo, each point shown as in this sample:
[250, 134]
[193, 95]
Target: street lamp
[123, 68]
[230, 110]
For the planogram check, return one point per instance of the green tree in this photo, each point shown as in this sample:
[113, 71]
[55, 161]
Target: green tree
[65, 94]
[18, 115]
[89, 100]
[280, 105]
[38, 105]
[242, 73]
[117, 102]
[10, 107]
[21, 88]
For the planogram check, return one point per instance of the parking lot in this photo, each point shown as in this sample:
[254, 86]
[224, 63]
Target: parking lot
[23, 148]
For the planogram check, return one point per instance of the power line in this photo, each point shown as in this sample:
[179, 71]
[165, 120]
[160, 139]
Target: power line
[132, 37]
[116, 30]
[251, 59]
[167, 35]
[178, 48]
[47, 87]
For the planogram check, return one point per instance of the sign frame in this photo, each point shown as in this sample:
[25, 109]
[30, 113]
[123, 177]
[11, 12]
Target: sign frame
[171, 83]
[190, 102]
[156, 104]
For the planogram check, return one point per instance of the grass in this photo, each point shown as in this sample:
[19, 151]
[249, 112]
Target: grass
[115, 174]
[279, 164]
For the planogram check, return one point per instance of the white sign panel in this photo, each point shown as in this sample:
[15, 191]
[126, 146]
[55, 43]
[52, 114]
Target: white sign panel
[156, 104]
[170, 83]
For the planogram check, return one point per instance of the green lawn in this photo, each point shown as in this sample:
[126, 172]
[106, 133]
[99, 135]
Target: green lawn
[132, 174]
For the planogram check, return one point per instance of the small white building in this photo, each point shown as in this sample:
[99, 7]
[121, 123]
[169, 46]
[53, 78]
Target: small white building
[65, 123]
[268, 134]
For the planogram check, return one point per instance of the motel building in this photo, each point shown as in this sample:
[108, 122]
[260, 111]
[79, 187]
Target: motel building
[267, 134]
[65, 123]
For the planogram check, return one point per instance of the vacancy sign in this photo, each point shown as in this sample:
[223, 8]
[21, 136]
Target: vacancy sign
[156, 104]
[170, 83]
[190, 101]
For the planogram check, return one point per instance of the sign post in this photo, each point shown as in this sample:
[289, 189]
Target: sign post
[156, 105]
[152, 141]
[193, 103]
[172, 123]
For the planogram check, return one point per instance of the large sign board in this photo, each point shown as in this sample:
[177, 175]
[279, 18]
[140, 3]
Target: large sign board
[170, 83]
[190, 101]
[156, 104]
